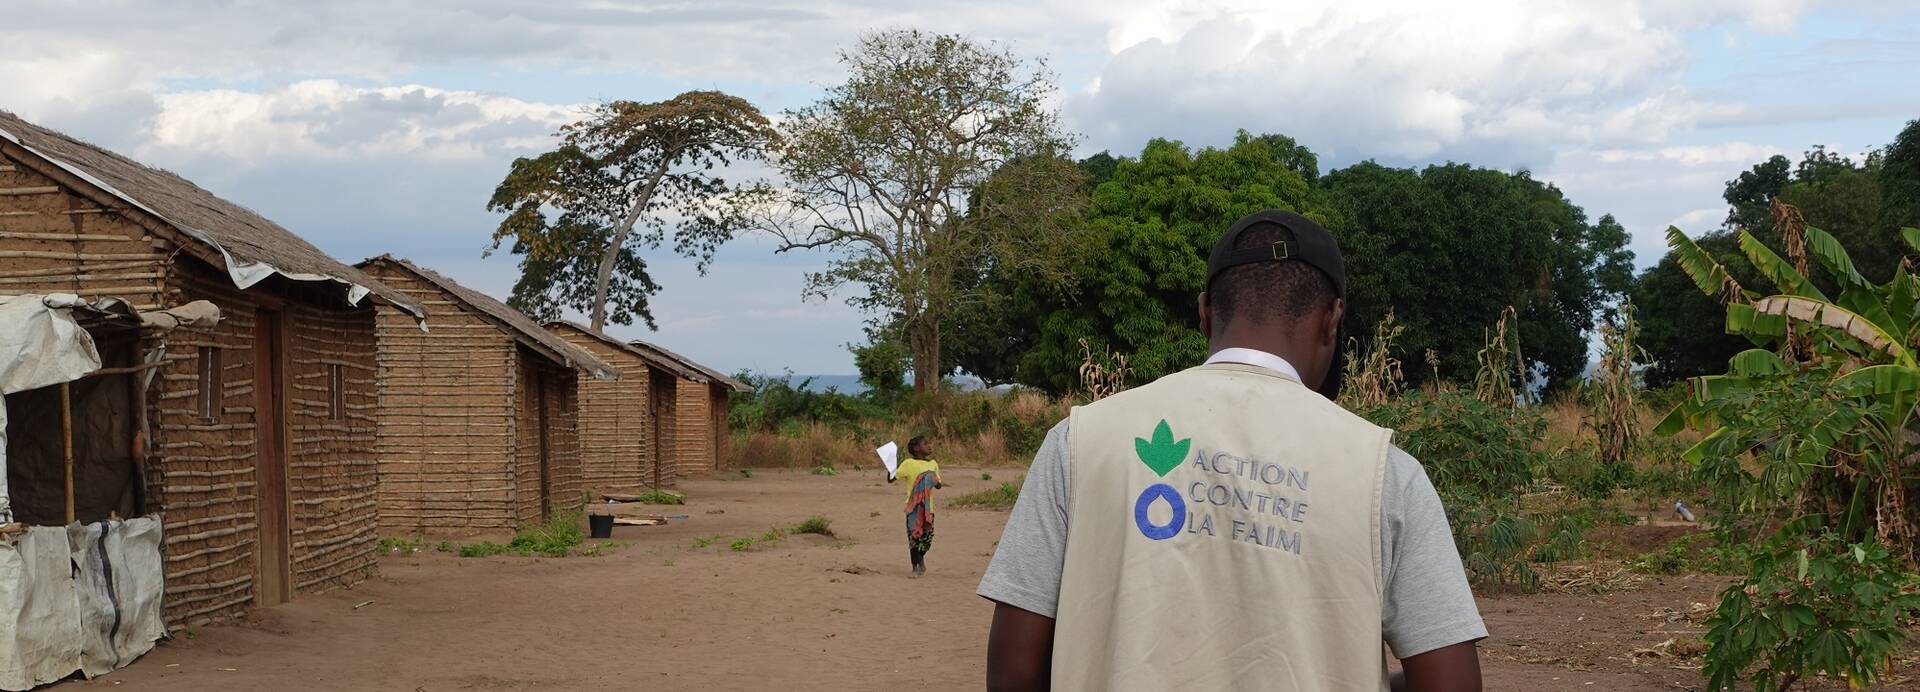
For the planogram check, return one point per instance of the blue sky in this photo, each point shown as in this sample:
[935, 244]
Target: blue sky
[373, 127]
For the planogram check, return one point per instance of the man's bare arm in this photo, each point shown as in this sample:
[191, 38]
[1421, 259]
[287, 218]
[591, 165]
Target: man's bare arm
[1019, 651]
[1446, 669]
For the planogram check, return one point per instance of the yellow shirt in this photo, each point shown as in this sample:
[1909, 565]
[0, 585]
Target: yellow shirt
[911, 469]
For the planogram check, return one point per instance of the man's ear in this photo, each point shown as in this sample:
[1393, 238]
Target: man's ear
[1330, 323]
[1206, 316]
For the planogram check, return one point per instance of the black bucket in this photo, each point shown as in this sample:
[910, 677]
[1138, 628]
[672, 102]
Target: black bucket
[600, 525]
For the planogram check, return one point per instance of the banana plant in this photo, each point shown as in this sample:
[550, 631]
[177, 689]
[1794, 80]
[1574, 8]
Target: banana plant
[1873, 328]
[1861, 348]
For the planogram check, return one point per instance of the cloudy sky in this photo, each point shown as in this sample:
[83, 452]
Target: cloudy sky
[372, 126]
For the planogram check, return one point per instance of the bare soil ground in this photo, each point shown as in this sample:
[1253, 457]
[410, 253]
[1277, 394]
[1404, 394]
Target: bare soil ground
[805, 613]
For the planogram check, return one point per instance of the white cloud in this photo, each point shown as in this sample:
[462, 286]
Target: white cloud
[1506, 80]
[329, 121]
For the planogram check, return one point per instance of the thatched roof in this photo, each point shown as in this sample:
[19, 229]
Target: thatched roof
[707, 374]
[509, 320]
[250, 247]
[656, 359]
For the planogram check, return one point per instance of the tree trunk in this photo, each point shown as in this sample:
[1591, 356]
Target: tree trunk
[611, 256]
[924, 337]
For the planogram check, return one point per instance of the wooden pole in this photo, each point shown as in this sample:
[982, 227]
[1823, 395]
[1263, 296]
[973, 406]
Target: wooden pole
[66, 438]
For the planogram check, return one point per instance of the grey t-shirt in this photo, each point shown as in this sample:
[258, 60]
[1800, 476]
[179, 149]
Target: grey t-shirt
[1426, 604]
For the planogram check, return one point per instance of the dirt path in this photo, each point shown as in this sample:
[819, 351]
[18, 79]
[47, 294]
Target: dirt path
[808, 613]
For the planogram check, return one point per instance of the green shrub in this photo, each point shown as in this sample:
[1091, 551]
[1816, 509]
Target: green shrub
[986, 476]
[824, 469]
[553, 538]
[1001, 497]
[742, 544]
[1482, 459]
[1814, 606]
[1669, 560]
[746, 473]
[817, 525]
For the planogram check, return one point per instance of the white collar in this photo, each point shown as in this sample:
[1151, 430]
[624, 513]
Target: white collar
[1256, 358]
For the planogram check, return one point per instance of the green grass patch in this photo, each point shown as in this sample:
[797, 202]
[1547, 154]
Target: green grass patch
[817, 525]
[658, 496]
[705, 541]
[825, 470]
[746, 473]
[741, 545]
[482, 549]
[1001, 497]
[556, 537]
[400, 546]
[986, 476]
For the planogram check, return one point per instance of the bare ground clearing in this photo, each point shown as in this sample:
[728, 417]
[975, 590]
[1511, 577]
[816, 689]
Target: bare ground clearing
[805, 613]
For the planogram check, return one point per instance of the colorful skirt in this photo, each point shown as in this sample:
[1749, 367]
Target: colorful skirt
[920, 513]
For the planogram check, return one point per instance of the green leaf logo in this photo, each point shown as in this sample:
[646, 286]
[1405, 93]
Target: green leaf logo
[1162, 454]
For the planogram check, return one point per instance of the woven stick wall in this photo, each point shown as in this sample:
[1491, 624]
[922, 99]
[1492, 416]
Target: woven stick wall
[546, 409]
[693, 435]
[448, 415]
[201, 472]
[616, 429]
[332, 473]
[55, 241]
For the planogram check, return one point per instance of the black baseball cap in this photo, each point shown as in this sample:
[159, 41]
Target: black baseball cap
[1301, 240]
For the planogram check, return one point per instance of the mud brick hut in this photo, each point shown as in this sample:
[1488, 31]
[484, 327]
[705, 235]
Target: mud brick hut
[700, 412]
[479, 423]
[627, 426]
[259, 448]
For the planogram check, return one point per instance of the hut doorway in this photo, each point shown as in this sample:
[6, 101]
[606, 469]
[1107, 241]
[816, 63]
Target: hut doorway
[269, 408]
[545, 432]
[660, 387]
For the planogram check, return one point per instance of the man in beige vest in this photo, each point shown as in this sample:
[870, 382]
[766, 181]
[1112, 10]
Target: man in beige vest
[1229, 527]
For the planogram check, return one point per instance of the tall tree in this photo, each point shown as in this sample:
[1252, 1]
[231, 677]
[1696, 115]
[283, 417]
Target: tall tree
[935, 153]
[621, 180]
[1156, 218]
[1749, 193]
[1449, 247]
[1900, 179]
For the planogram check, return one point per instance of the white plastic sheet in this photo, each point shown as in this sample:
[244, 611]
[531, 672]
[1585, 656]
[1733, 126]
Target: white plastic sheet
[84, 597]
[38, 605]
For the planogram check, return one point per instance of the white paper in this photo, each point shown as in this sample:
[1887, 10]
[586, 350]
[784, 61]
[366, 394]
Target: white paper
[889, 455]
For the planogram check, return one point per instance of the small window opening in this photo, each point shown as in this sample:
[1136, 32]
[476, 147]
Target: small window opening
[210, 389]
[336, 391]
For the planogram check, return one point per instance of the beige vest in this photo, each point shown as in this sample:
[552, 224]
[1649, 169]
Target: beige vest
[1237, 548]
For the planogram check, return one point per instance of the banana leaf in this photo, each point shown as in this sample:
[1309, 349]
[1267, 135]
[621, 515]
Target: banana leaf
[1707, 274]
[1756, 362]
[1911, 235]
[1834, 257]
[1762, 329]
[1777, 270]
[1825, 314]
[1903, 298]
[1868, 303]
[1898, 385]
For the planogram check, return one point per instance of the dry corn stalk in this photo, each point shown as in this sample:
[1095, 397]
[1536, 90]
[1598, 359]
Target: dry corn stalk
[1500, 363]
[1102, 376]
[1376, 378]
